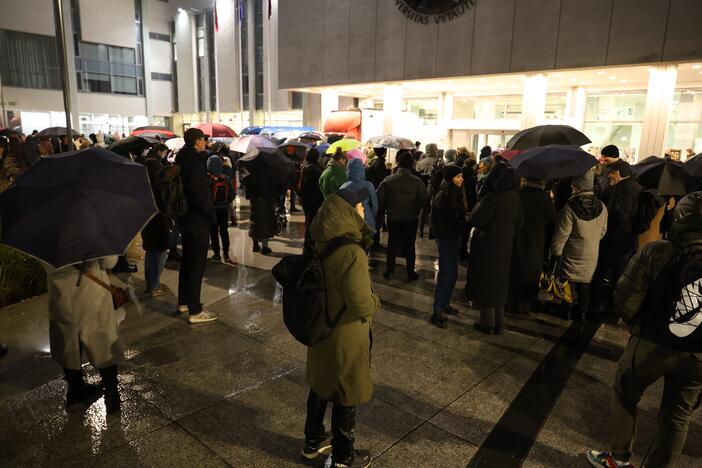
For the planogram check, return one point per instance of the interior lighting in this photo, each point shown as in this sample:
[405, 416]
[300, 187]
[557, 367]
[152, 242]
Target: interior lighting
[622, 81]
[697, 66]
[573, 80]
[612, 77]
[601, 72]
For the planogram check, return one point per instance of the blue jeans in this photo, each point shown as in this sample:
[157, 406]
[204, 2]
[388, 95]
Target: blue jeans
[153, 266]
[448, 271]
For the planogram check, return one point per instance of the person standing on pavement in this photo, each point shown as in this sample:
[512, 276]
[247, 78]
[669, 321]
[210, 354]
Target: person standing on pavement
[496, 219]
[402, 196]
[83, 320]
[310, 192]
[223, 193]
[603, 186]
[470, 189]
[356, 175]
[338, 368]
[376, 174]
[658, 297]
[448, 221]
[334, 175]
[575, 244]
[194, 225]
[155, 236]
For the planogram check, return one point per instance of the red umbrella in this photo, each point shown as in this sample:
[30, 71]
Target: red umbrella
[216, 130]
[509, 154]
[154, 129]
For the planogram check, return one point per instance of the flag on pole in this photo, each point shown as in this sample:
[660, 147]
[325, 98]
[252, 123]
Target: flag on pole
[270, 8]
[216, 19]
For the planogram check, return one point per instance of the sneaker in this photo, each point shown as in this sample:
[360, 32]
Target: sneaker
[437, 320]
[412, 276]
[313, 450]
[182, 309]
[160, 291]
[265, 250]
[227, 259]
[216, 258]
[256, 247]
[359, 459]
[605, 460]
[202, 317]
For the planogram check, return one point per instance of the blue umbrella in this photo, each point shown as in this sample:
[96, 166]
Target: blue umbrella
[553, 162]
[76, 206]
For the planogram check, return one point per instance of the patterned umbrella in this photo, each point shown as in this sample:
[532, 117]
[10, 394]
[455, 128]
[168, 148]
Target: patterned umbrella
[249, 143]
[390, 141]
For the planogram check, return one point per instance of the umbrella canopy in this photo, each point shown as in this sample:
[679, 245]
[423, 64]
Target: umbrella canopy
[346, 144]
[174, 144]
[295, 149]
[56, 132]
[267, 171]
[248, 143]
[665, 175]
[693, 166]
[390, 141]
[76, 206]
[356, 153]
[543, 135]
[316, 136]
[6, 132]
[510, 154]
[132, 144]
[553, 162]
[216, 130]
[153, 131]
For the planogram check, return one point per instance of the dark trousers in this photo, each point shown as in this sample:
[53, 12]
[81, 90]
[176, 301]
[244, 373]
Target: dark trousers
[310, 212]
[610, 267]
[220, 229]
[492, 317]
[196, 242]
[448, 271]
[582, 291]
[343, 426]
[401, 238]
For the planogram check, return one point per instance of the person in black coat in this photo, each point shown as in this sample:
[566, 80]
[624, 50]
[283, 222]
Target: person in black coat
[194, 225]
[496, 218]
[470, 189]
[310, 193]
[528, 254]
[155, 236]
[447, 223]
[376, 174]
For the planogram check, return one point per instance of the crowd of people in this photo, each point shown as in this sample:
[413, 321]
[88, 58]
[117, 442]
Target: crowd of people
[600, 231]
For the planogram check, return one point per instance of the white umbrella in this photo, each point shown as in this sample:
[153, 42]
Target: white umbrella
[249, 143]
[174, 144]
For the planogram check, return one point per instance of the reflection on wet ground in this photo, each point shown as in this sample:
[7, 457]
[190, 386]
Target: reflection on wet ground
[232, 393]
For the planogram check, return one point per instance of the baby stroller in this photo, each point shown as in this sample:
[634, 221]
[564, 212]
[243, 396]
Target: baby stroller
[281, 220]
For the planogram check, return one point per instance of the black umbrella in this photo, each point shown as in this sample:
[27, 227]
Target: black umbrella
[543, 135]
[56, 132]
[693, 166]
[267, 171]
[553, 162]
[295, 149]
[311, 136]
[76, 206]
[7, 132]
[663, 174]
[132, 144]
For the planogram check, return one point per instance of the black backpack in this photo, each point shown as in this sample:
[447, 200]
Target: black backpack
[305, 309]
[678, 322]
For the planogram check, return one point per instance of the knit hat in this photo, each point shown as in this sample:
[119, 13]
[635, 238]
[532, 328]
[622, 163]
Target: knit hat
[451, 171]
[405, 159]
[623, 167]
[585, 182]
[485, 152]
[353, 197]
[610, 151]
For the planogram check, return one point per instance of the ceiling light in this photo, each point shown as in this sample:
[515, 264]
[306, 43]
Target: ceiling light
[612, 77]
[558, 75]
[697, 66]
[482, 80]
[601, 72]
[573, 80]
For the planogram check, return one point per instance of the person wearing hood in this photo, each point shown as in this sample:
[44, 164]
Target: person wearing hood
[576, 240]
[430, 158]
[470, 189]
[658, 297]
[484, 167]
[310, 192]
[334, 175]
[156, 235]
[338, 368]
[496, 218]
[377, 171]
[485, 152]
[528, 254]
[194, 225]
[450, 156]
[448, 214]
[356, 175]
[223, 194]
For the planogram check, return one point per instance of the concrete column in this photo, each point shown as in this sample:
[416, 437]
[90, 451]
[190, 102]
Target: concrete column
[186, 54]
[71, 65]
[534, 100]
[392, 107]
[659, 99]
[576, 103]
[312, 110]
[146, 51]
[330, 103]
[250, 18]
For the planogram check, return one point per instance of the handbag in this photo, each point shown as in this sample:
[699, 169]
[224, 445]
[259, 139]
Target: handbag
[553, 289]
[119, 295]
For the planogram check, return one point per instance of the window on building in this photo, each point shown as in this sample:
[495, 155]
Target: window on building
[245, 63]
[297, 100]
[211, 59]
[174, 69]
[487, 107]
[615, 118]
[29, 60]
[161, 76]
[555, 107]
[258, 39]
[201, 61]
[685, 130]
[427, 109]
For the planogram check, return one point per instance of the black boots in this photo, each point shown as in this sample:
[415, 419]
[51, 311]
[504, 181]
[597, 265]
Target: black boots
[109, 384]
[438, 320]
[79, 391]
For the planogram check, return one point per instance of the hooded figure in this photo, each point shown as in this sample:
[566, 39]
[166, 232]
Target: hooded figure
[429, 159]
[356, 174]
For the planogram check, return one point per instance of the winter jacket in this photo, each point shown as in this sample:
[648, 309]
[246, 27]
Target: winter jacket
[580, 226]
[470, 186]
[81, 316]
[338, 368]
[332, 178]
[356, 174]
[402, 195]
[156, 234]
[215, 171]
[529, 242]
[620, 239]
[496, 218]
[426, 165]
[309, 185]
[377, 172]
[448, 213]
[197, 189]
[263, 213]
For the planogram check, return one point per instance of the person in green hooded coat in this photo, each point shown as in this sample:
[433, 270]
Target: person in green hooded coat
[334, 175]
[338, 368]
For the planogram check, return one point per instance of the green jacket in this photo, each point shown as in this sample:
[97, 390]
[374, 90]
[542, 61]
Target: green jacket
[338, 368]
[332, 178]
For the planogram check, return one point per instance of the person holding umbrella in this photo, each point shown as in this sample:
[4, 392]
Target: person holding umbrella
[194, 225]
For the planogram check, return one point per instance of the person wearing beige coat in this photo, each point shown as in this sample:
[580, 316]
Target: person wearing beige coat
[83, 321]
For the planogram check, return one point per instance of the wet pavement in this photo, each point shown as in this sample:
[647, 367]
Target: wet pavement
[232, 393]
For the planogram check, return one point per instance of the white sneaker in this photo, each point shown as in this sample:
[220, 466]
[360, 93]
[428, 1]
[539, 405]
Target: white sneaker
[182, 309]
[202, 317]
[160, 291]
